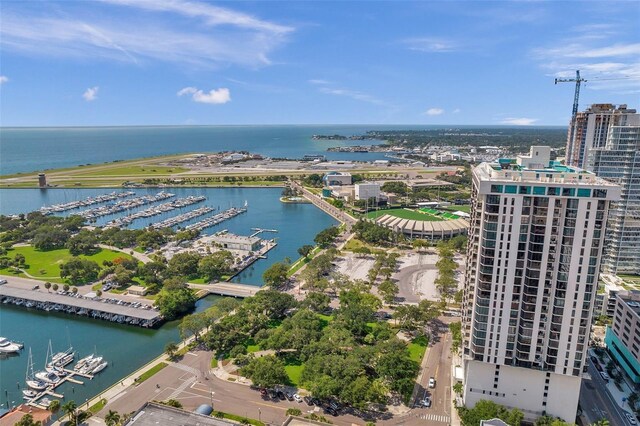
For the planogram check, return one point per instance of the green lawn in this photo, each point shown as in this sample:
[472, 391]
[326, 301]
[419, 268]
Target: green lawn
[146, 170]
[45, 265]
[405, 214]
[417, 348]
[463, 208]
[355, 243]
[293, 366]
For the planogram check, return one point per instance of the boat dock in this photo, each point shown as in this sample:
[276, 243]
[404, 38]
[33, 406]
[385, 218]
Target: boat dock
[63, 207]
[176, 220]
[216, 219]
[80, 306]
[123, 205]
[156, 210]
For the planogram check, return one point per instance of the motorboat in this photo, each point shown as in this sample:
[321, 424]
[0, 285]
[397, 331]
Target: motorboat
[9, 347]
[100, 367]
[58, 371]
[29, 394]
[81, 363]
[47, 377]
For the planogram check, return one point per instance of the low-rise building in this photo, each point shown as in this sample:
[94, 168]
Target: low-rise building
[137, 290]
[237, 242]
[367, 191]
[337, 178]
[623, 337]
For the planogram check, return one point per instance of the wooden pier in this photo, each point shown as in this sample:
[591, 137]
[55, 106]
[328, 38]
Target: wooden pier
[50, 301]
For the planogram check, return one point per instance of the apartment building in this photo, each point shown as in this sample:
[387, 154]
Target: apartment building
[536, 234]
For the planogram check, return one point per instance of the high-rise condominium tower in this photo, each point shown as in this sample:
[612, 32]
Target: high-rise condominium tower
[592, 128]
[535, 242]
[619, 162]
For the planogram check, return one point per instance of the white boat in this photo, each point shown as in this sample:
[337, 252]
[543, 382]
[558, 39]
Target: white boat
[29, 394]
[58, 371]
[47, 377]
[45, 402]
[83, 362]
[100, 367]
[30, 379]
[9, 347]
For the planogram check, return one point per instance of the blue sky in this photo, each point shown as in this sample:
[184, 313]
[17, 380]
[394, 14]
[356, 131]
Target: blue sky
[138, 62]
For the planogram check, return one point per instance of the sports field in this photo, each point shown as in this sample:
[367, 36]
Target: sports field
[409, 214]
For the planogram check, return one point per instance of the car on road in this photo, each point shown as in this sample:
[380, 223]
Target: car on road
[426, 402]
[630, 418]
[605, 376]
[297, 397]
[598, 367]
[432, 382]
[3, 281]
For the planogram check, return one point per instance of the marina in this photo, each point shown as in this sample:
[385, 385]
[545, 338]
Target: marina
[155, 210]
[78, 305]
[218, 218]
[185, 217]
[63, 207]
[124, 205]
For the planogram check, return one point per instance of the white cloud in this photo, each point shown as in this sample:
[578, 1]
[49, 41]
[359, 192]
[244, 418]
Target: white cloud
[519, 121]
[431, 44]
[181, 32]
[3, 79]
[456, 111]
[214, 96]
[353, 94]
[580, 50]
[434, 111]
[91, 94]
[319, 82]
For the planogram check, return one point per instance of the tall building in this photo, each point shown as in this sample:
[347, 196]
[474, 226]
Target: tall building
[623, 337]
[592, 128]
[535, 242]
[618, 161]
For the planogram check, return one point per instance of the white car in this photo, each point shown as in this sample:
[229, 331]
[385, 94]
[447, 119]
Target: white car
[630, 418]
[432, 382]
[426, 402]
[605, 376]
[297, 397]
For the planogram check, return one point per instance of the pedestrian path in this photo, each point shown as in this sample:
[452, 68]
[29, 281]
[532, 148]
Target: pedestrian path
[435, 417]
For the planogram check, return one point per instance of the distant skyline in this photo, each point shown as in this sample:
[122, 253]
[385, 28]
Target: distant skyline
[179, 62]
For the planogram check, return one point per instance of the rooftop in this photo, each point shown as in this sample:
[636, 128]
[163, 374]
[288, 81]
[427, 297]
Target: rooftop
[235, 238]
[631, 299]
[152, 414]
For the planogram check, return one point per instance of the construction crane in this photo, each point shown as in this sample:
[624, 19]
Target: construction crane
[576, 97]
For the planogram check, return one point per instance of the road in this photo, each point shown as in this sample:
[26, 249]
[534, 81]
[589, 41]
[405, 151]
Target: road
[596, 402]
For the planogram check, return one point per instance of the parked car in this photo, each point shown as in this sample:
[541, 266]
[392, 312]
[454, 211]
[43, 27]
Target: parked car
[3, 281]
[263, 392]
[598, 367]
[297, 397]
[308, 400]
[432, 382]
[630, 418]
[605, 376]
[331, 411]
[426, 402]
[289, 396]
[281, 395]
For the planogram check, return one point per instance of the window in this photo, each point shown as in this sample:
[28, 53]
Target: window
[496, 188]
[568, 192]
[553, 191]
[510, 189]
[600, 193]
[525, 190]
[584, 192]
[538, 190]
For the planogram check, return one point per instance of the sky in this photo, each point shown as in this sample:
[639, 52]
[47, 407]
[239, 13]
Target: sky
[194, 62]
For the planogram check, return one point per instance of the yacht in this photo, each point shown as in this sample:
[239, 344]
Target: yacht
[47, 377]
[100, 367]
[29, 394]
[9, 347]
[83, 362]
[30, 379]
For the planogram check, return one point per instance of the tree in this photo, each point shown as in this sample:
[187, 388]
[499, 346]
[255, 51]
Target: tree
[54, 287]
[49, 238]
[458, 388]
[184, 264]
[74, 290]
[122, 276]
[112, 418]
[276, 275]
[170, 349]
[399, 188]
[174, 303]
[27, 420]
[79, 271]
[316, 301]
[215, 265]
[66, 287]
[193, 325]
[54, 406]
[99, 293]
[267, 371]
[47, 285]
[84, 242]
[70, 409]
[389, 290]
[305, 250]
[326, 237]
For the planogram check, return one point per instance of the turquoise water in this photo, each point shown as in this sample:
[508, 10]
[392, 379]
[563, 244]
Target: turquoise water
[127, 347]
[22, 149]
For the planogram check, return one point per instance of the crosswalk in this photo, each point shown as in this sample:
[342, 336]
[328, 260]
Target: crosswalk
[435, 417]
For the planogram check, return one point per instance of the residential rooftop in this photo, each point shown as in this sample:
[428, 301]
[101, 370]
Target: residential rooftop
[632, 300]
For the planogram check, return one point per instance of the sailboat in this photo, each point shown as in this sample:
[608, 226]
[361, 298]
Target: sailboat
[46, 375]
[30, 379]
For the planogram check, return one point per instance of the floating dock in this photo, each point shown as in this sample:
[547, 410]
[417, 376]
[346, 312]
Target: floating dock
[79, 306]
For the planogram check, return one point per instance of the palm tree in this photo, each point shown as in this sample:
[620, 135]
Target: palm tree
[69, 408]
[112, 418]
[171, 350]
[54, 407]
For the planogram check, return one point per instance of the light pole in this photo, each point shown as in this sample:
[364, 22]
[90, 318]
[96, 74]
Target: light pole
[259, 415]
